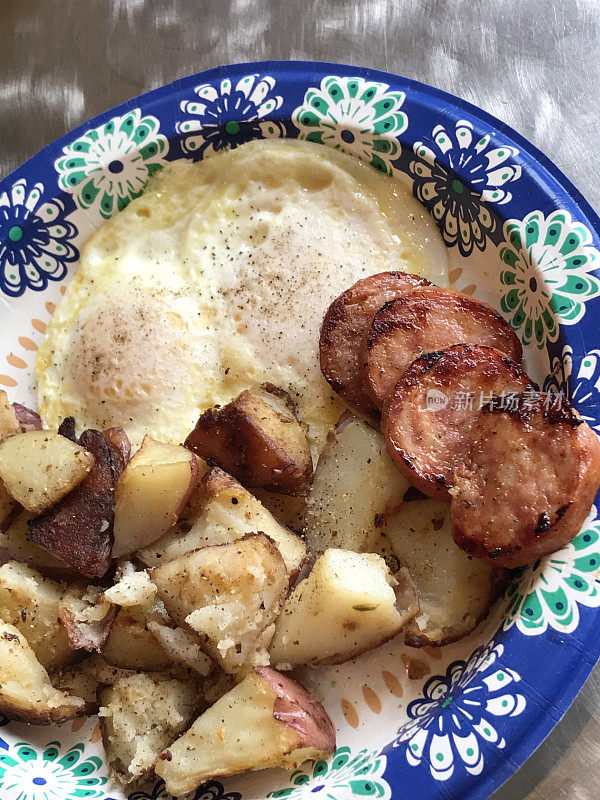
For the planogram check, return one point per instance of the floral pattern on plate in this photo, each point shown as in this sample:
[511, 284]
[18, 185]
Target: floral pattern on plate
[462, 206]
[347, 774]
[359, 117]
[242, 108]
[51, 773]
[546, 274]
[107, 167]
[213, 790]
[35, 240]
[548, 593]
[451, 723]
[581, 386]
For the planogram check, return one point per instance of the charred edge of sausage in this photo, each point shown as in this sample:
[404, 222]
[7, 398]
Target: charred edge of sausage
[335, 314]
[543, 524]
[440, 480]
[427, 361]
[383, 323]
[335, 385]
[477, 549]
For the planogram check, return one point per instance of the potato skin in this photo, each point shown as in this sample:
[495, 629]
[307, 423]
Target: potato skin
[36, 700]
[242, 732]
[529, 482]
[257, 444]
[345, 327]
[54, 717]
[79, 528]
[454, 592]
[28, 420]
[119, 441]
[424, 321]
[295, 706]
[427, 445]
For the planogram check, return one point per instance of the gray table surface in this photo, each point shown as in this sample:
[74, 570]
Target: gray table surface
[533, 63]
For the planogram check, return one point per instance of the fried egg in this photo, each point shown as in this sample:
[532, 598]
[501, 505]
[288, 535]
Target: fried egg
[217, 279]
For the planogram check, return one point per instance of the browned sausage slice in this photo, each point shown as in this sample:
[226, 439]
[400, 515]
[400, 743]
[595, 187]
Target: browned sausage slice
[427, 419]
[345, 327]
[529, 482]
[425, 320]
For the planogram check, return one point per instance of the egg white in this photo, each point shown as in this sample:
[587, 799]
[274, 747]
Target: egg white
[217, 279]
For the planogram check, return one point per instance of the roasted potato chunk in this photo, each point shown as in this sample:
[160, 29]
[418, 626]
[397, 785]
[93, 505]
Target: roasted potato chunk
[7, 504]
[151, 493]
[33, 605]
[40, 467]
[9, 424]
[14, 541]
[79, 528]
[355, 485]
[230, 594]
[454, 590]
[81, 681]
[222, 511]
[26, 693]
[258, 440]
[132, 590]
[140, 715]
[345, 606]
[87, 618]
[268, 720]
[130, 643]
[181, 647]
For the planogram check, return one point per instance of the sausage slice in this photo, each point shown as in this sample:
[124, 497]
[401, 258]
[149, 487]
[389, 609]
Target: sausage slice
[423, 321]
[345, 327]
[427, 419]
[529, 481]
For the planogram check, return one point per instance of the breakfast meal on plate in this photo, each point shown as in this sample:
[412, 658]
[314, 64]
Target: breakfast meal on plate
[271, 438]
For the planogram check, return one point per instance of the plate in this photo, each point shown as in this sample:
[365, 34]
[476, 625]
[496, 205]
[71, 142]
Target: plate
[453, 722]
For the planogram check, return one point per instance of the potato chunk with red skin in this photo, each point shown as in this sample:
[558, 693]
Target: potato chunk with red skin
[257, 439]
[28, 419]
[79, 528]
[528, 483]
[26, 693]
[345, 328]
[267, 720]
[13, 541]
[423, 321]
[427, 443]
